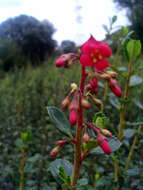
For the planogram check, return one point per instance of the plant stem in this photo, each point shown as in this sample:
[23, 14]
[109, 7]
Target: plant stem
[79, 133]
[132, 148]
[105, 92]
[124, 105]
[117, 56]
[22, 171]
[122, 118]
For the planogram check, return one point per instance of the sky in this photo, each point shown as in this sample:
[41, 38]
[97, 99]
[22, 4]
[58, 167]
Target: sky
[73, 19]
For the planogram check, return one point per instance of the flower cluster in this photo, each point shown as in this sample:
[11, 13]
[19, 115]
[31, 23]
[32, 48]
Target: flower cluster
[92, 56]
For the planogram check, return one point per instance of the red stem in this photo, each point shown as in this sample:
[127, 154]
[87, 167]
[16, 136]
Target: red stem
[79, 132]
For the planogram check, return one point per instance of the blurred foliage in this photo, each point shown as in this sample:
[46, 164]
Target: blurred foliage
[33, 37]
[68, 46]
[24, 122]
[134, 14]
[25, 93]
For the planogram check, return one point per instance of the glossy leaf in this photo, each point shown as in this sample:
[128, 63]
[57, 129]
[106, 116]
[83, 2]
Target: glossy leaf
[132, 172]
[135, 80]
[128, 133]
[82, 182]
[60, 120]
[114, 19]
[115, 102]
[138, 103]
[55, 165]
[105, 28]
[133, 49]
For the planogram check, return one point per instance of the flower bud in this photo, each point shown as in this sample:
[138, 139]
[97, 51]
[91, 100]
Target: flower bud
[85, 103]
[73, 105]
[104, 76]
[60, 61]
[55, 151]
[62, 142]
[73, 117]
[106, 132]
[113, 74]
[97, 102]
[73, 86]
[93, 82]
[65, 60]
[103, 143]
[94, 91]
[86, 137]
[115, 87]
[65, 103]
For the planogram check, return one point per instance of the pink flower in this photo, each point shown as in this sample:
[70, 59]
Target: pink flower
[73, 117]
[103, 143]
[115, 87]
[93, 53]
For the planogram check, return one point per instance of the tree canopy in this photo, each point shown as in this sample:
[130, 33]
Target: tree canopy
[135, 15]
[34, 37]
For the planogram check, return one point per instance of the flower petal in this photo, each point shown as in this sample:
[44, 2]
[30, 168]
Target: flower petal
[104, 50]
[101, 65]
[85, 60]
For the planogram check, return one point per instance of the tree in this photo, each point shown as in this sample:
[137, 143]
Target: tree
[135, 15]
[34, 37]
[68, 46]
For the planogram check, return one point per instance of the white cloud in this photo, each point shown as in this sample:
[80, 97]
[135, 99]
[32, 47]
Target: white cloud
[62, 14]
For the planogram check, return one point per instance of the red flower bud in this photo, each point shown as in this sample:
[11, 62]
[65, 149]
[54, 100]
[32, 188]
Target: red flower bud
[85, 103]
[103, 143]
[113, 74]
[115, 87]
[93, 82]
[86, 137]
[94, 90]
[65, 103]
[55, 151]
[60, 61]
[73, 117]
[106, 132]
[73, 105]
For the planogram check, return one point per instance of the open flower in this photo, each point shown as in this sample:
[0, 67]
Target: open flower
[94, 53]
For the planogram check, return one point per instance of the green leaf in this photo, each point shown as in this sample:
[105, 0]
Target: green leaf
[19, 143]
[26, 136]
[122, 68]
[82, 182]
[63, 176]
[90, 145]
[128, 133]
[100, 119]
[114, 145]
[60, 120]
[138, 103]
[54, 168]
[35, 158]
[135, 80]
[133, 172]
[105, 28]
[114, 19]
[134, 123]
[133, 49]
[115, 102]
[124, 31]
